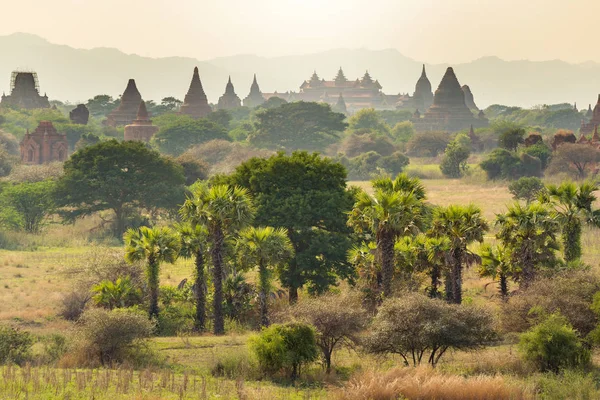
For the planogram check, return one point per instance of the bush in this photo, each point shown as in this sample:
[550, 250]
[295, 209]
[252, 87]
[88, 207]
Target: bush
[109, 336]
[526, 188]
[357, 144]
[502, 164]
[176, 137]
[540, 151]
[553, 345]
[239, 365]
[223, 157]
[55, 346]
[193, 168]
[371, 163]
[287, 347]
[121, 293]
[403, 131]
[454, 162]
[393, 164]
[428, 144]
[73, 304]
[416, 326]
[15, 345]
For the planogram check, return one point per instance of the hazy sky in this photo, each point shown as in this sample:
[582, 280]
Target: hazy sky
[433, 31]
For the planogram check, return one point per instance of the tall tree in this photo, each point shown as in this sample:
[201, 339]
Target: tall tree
[462, 225]
[529, 233]
[573, 206]
[265, 248]
[222, 209]
[33, 202]
[194, 244]
[307, 195]
[118, 176]
[154, 246]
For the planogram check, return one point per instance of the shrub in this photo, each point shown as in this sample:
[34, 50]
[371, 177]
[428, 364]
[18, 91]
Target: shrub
[454, 162]
[118, 294]
[357, 144]
[403, 131]
[239, 365]
[108, 336]
[193, 168]
[416, 326]
[15, 345]
[223, 157]
[540, 151]
[7, 161]
[526, 188]
[502, 164]
[553, 345]
[428, 144]
[337, 319]
[179, 135]
[36, 173]
[73, 304]
[55, 346]
[287, 347]
[393, 164]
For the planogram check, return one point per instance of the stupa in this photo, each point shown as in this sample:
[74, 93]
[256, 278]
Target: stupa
[255, 97]
[195, 103]
[141, 128]
[340, 106]
[229, 100]
[423, 96]
[24, 92]
[469, 100]
[126, 113]
[80, 115]
[449, 111]
[44, 145]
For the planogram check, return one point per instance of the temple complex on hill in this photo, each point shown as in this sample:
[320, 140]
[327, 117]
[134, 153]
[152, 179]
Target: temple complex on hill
[593, 119]
[195, 103]
[24, 92]
[141, 129]
[255, 97]
[44, 145]
[449, 111]
[229, 100]
[126, 113]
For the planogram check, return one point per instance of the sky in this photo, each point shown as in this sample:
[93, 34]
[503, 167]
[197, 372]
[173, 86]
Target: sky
[432, 31]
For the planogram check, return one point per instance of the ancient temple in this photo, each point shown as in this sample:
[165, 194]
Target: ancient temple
[255, 97]
[469, 99]
[126, 113]
[195, 103]
[340, 106]
[79, 115]
[593, 121]
[589, 113]
[24, 92]
[44, 145]
[141, 128]
[423, 95]
[449, 111]
[229, 100]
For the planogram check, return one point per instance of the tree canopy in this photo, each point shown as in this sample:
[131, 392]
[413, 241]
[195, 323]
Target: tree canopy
[180, 134]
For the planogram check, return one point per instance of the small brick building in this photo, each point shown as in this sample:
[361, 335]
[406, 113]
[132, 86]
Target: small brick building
[44, 145]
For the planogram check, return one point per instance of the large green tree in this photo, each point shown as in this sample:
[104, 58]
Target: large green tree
[153, 246]
[223, 210]
[297, 125]
[307, 195]
[462, 225]
[180, 134]
[118, 176]
[264, 248]
[31, 201]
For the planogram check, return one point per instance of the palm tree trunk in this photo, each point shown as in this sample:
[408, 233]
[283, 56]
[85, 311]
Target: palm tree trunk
[119, 222]
[385, 244]
[200, 322]
[503, 287]
[457, 277]
[264, 292]
[217, 259]
[153, 286]
[448, 285]
[435, 282]
[527, 269]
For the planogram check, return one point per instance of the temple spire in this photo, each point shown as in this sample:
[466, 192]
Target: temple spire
[255, 97]
[142, 113]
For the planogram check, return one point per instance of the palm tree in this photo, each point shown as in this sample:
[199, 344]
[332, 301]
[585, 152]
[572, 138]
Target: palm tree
[573, 207]
[155, 246]
[387, 215]
[529, 233]
[223, 210]
[462, 225]
[193, 241]
[362, 258]
[496, 264]
[265, 248]
[402, 183]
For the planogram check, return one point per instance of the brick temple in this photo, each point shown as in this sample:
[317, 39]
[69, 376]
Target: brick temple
[255, 97]
[44, 145]
[127, 110]
[141, 128]
[195, 103]
[229, 100]
[24, 92]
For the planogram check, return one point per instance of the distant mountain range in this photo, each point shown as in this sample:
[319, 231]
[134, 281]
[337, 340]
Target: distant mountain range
[75, 75]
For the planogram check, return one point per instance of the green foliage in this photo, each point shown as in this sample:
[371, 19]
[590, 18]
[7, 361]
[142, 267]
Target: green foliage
[368, 118]
[553, 345]
[101, 105]
[454, 162]
[121, 293]
[574, 159]
[511, 137]
[403, 131]
[193, 168]
[370, 164]
[298, 125]
[220, 117]
[428, 144]
[540, 151]
[415, 326]
[31, 203]
[176, 137]
[357, 144]
[7, 161]
[287, 347]
[557, 116]
[118, 176]
[109, 336]
[394, 117]
[307, 195]
[526, 188]
[502, 164]
[496, 263]
[15, 345]
[237, 297]
[87, 139]
[9, 141]
[75, 132]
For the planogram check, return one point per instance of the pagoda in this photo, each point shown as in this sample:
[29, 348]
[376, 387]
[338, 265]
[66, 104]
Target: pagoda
[469, 99]
[593, 119]
[340, 106]
[141, 128]
[126, 113]
[423, 95]
[449, 111]
[44, 145]
[255, 97]
[79, 115]
[195, 103]
[229, 100]
[24, 92]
